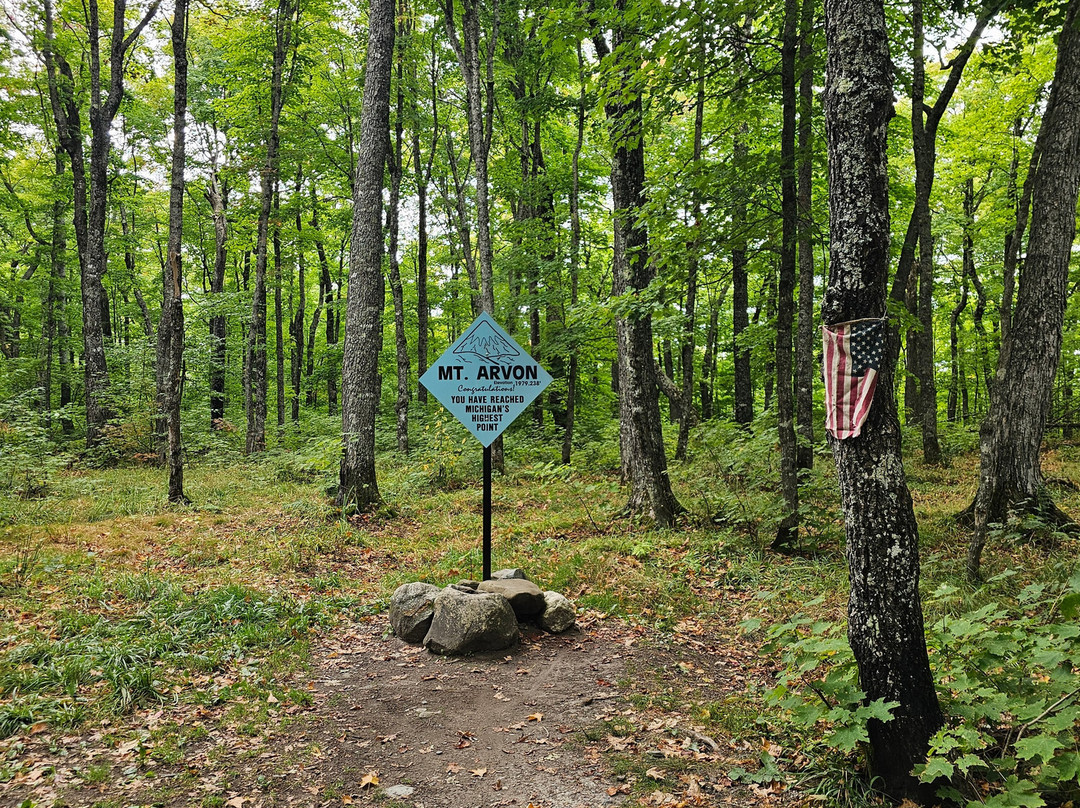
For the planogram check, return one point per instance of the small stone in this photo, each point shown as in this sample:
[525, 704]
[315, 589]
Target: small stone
[525, 597]
[469, 584]
[511, 572]
[559, 613]
[411, 608]
[471, 622]
[399, 792]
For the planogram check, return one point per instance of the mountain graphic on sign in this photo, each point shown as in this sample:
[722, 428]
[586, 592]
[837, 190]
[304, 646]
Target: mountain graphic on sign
[484, 342]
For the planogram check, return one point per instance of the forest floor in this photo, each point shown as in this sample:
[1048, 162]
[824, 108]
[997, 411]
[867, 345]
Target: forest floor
[236, 654]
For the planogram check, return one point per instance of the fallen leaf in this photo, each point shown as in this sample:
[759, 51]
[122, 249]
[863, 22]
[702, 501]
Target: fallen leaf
[40, 726]
[535, 717]
[453, 768]
[369, 779]
[654, 773]
[477, 772]
[271, 699]
[346, 799]
[237, 802]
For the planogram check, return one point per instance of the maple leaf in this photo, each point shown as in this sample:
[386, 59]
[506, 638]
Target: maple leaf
[477, 772]
[535, 717]
[369, 779]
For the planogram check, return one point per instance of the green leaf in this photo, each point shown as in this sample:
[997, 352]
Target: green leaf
[1070, 605]
[935, 768]
[1018, 794]
[1042, 746]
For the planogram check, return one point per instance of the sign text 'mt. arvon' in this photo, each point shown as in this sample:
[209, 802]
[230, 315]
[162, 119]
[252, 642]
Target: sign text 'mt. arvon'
[485, 379]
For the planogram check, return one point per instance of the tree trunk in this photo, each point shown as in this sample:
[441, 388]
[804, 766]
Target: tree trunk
[744, 382]
[171, 325]
[885, 622]
[924, 150]
[423, 177]
[1009, 473]
[279, 335]
[575, 258]
[256, 404]
[788, 530]
[296, 326]
[912, 405]
[357, 485]
[90, 216]
[689, 310]
[804, 344]
[708, 363]
[217, 194]
[961, 304]
[396, 167]
[650, 486]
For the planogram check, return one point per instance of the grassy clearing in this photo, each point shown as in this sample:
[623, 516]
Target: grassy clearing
[114, 602]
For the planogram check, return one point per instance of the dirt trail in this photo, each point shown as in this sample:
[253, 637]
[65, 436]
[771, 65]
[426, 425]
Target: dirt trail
[482, 731]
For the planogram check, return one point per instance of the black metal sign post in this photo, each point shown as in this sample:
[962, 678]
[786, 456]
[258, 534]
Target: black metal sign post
[487, 512]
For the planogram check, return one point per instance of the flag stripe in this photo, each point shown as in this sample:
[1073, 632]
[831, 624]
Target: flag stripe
[851, 353]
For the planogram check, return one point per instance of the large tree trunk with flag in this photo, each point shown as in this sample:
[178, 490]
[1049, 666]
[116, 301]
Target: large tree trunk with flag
[1009, 474]
[885, 621]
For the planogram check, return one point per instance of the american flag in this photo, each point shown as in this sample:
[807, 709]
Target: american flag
[852, 356]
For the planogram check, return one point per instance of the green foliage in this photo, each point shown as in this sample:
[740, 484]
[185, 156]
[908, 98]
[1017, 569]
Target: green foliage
[1006, 673]
[818, 689]
[29, 458]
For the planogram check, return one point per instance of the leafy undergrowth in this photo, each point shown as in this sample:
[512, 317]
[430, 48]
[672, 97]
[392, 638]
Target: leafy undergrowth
[147, 626]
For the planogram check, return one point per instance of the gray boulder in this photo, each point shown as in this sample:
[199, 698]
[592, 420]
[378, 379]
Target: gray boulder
[411, 608]
[559, 613]
[525, 597]
[512, 572]
[470, 622]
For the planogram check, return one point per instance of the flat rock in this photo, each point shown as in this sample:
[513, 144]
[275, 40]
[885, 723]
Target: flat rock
[525, 597]
[399, 792]
[471, 622]
[412, 607]
[511, 572]
[559, 613]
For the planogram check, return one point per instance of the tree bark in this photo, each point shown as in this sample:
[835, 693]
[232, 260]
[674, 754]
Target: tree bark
[90, 204]
[423, 177]
[885, 622]
[401, 345]
[296, 325]
[257, 394]
[360, 380]
[1011, 435]
[217, 194]
[279, 335]
[788, 530]
[686, 348]
[804, 343]
[575, 258]
[650, 486]
[923, 144]
[171, 325]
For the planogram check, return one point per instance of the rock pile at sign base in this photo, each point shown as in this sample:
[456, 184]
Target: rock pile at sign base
[472, 617]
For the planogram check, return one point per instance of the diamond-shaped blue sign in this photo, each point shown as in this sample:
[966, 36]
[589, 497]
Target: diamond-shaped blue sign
[485, 379]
